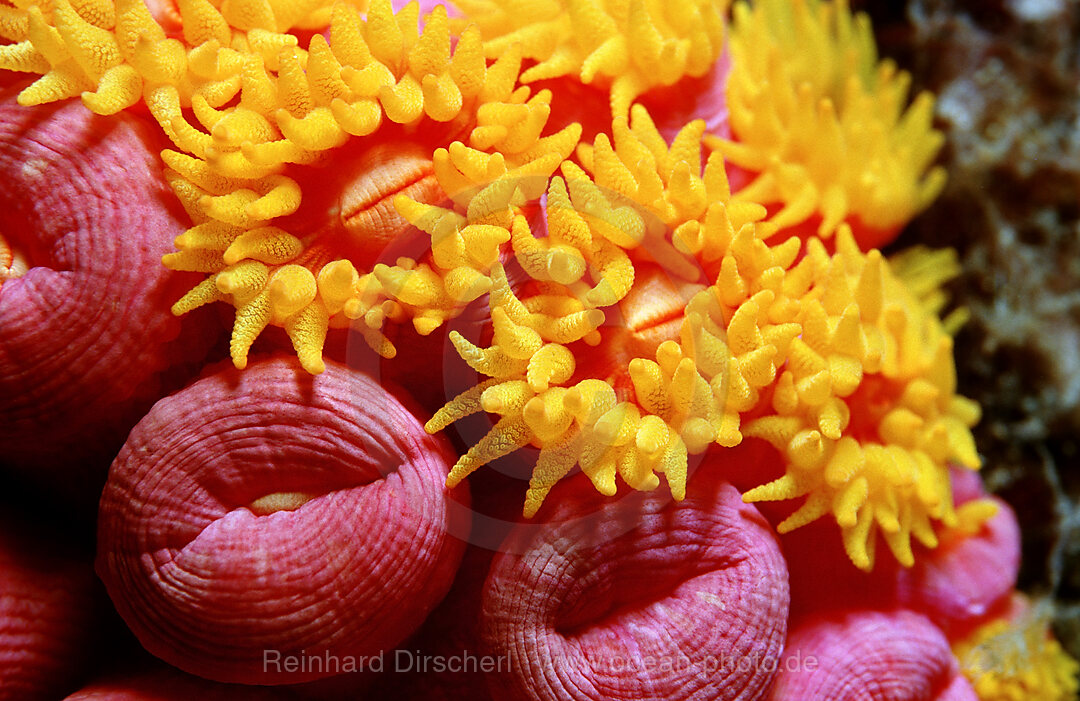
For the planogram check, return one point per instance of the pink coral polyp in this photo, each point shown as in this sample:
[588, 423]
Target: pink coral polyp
[270, 510]
[640, 599]
[86, 344]
[872, 655]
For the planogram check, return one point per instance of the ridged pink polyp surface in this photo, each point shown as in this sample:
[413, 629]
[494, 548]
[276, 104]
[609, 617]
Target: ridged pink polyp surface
[639, 598]
[211, 587]
[47, 614]
[870, 656]
[86, 332]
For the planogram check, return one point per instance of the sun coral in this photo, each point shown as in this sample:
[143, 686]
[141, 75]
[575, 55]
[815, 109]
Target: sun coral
[643, 416]
[834, 362]
[294, 105]
[638, 599]
[826, 357]
[85, 347]
[371, 68]
[866, 410]
[897, 655]
[1018, 658]
[968, 576]
[821, 126]
[654, 294]
[205, 506]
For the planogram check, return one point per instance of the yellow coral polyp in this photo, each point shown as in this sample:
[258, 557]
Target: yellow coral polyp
[822, 124]
[832, 359]
[864, 408]
[1018, 659]
[295, 104]
[627, 46]
[689, 390]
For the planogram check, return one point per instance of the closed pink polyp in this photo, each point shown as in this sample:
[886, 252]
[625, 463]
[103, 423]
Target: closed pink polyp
[639, 598]
[87, 341]
[866, 655]
[210, 586]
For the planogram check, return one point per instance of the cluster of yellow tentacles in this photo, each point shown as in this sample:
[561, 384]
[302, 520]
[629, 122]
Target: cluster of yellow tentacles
[865, 409]
[627, 46]
[693, 391]
[843, 369]
[262, 103]
[829, 357]
[822, 124]
[685, 399]
[1011, 660]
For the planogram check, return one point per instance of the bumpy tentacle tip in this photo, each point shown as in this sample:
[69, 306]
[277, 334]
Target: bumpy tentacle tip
[456, 476]
[534, 499]
[313, 364]
[120, 88]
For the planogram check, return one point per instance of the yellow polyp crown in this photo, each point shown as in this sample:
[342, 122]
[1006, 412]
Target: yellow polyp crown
[241, 100]
[1018, 659]
[628, 46]
[690, 389]
[822, 124]
[864, 408]
[656, 320]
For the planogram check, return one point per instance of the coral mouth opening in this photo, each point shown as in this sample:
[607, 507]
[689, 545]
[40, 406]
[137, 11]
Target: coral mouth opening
[14, 262]
[869, 404]
[349, 202]
[591, 615]
[652, 312]
[279, 501]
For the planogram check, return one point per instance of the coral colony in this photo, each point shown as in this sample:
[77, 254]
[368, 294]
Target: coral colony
[761, 217]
